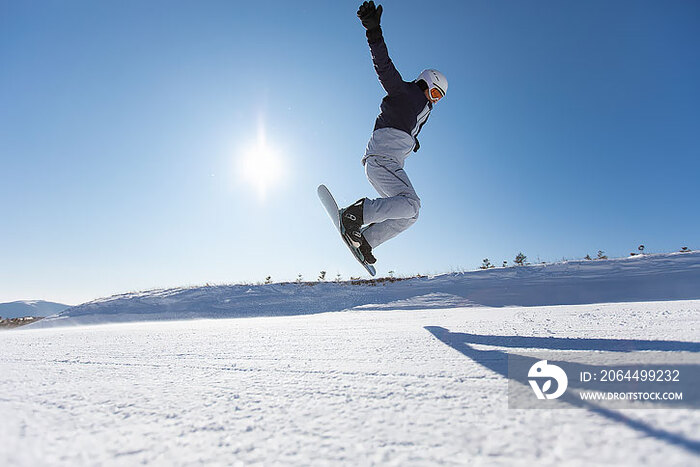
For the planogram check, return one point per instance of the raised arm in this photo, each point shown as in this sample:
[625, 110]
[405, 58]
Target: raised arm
[389, 76]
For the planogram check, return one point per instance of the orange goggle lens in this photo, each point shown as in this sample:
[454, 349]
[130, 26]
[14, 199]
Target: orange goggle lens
[436, 94]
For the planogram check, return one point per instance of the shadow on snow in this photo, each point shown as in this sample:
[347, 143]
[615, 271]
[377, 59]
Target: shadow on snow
[497, 361]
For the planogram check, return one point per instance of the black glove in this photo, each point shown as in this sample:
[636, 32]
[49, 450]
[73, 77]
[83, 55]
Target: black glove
[369, 15]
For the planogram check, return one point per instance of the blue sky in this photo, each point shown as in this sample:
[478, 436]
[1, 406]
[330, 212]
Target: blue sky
[568, 128]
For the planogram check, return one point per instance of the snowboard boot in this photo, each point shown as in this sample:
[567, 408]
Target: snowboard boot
[351, 217]
[366, 251]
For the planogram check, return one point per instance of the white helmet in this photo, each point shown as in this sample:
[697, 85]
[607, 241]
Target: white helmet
[435, 80]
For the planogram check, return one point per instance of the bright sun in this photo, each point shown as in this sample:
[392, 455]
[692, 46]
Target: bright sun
[261, 167]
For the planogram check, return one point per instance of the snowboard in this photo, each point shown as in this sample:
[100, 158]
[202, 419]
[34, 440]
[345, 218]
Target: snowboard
[334, 213]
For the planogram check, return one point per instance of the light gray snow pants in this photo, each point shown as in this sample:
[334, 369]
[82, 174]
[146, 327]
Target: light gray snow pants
[397, 209]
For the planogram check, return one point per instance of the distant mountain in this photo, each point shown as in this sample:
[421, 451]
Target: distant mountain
[23, 308]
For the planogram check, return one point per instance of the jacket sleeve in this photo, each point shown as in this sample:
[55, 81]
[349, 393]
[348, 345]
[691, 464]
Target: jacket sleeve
[389, 76]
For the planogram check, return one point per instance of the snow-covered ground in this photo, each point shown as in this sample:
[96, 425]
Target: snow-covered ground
[674, 276]
[355, 388]
[411, 373]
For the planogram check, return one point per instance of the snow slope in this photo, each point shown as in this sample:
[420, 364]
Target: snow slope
[423, 384]
[20, 309]
[642, 278]
[410, 373]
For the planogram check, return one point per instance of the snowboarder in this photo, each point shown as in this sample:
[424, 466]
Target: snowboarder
[404, 111]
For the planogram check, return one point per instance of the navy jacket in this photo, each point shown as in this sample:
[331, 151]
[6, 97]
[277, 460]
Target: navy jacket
[404, 108]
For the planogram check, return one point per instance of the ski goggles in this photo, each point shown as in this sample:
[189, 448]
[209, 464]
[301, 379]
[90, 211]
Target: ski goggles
[436, 93]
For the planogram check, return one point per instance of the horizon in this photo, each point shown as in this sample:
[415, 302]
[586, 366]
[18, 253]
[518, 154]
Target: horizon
[391, 276]
[138, 141]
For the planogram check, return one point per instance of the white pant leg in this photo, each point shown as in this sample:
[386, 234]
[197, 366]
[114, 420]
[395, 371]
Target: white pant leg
[398, 207]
